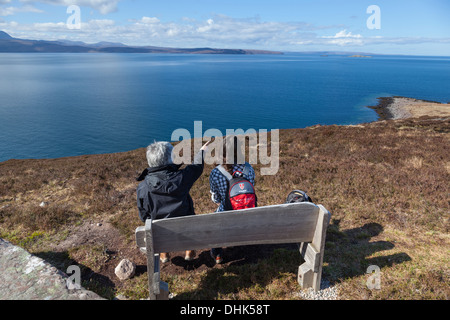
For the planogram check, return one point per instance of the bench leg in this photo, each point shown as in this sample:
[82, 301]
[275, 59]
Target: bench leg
[163, 291]
[152, 263]
[305, 275]
[158, 290]
[310, 272]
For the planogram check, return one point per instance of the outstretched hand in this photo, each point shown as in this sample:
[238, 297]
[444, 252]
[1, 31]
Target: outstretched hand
[205, 146]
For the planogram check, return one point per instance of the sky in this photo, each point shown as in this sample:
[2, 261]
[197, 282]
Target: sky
[412, 27]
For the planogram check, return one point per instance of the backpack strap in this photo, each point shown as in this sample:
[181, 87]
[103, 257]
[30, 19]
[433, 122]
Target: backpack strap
[224, 172]
[246, 170]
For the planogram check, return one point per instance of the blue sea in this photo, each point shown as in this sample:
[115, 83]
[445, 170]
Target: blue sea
[58, 105]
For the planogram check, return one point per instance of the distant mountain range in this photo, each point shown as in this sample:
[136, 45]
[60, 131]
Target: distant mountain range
[10, 44]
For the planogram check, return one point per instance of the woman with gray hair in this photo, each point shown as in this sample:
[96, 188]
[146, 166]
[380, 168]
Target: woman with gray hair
[164, 190]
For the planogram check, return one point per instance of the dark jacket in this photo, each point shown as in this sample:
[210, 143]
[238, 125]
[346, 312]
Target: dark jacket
[164, 191]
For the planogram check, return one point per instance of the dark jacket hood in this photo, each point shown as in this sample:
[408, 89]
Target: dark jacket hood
[169, 167]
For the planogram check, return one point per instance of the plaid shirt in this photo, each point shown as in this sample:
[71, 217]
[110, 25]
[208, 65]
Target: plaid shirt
[219, 183]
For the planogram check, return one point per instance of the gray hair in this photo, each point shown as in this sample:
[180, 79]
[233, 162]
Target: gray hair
[159, 154]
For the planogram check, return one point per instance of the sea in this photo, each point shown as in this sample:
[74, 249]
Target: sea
[69, 104]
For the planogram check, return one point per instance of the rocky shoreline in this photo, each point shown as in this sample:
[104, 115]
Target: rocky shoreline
[397, 107]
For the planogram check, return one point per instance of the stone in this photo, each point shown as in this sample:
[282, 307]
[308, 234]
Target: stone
[24, 276]
[125, 269]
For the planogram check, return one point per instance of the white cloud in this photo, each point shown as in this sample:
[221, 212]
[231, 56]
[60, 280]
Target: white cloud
[9, 11]
[344, 34]
[49, 26]
[149, 20]
[98, 24]
[209, 26]
[218, 31]
[226, 31]
[103, 6]
[59, 30]
[343, 38]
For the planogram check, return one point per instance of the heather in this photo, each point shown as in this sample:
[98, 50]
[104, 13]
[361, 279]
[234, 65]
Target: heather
[385, 184]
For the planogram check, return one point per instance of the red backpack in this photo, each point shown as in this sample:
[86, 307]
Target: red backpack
[241, 192]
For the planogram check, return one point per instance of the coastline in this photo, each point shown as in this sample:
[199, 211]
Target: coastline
[397, 107]
[388, 108]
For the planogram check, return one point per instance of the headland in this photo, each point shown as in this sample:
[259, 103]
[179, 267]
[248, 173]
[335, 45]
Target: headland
[397, 107]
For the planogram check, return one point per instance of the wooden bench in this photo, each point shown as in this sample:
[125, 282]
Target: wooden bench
[304, 223]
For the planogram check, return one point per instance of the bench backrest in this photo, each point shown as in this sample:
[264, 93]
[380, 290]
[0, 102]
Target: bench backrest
[286, 223]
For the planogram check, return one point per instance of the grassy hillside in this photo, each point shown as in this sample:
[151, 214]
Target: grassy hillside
[386, 184]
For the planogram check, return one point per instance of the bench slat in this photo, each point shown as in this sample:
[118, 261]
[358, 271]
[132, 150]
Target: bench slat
[286, 223]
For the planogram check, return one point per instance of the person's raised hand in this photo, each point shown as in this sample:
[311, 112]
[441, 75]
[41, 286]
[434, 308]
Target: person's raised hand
[205, 146]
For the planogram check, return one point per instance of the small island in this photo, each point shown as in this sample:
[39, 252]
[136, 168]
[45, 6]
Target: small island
[359, 56]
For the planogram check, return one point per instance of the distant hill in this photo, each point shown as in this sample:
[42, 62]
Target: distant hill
[10, 44]
[4, 35]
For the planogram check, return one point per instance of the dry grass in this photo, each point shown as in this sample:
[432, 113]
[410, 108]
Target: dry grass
[385, 183]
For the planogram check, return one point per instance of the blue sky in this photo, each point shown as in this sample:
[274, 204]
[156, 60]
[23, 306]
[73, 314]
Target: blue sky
[417, 27]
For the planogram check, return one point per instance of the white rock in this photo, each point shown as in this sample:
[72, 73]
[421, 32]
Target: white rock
[33, 263]
[125, 269]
